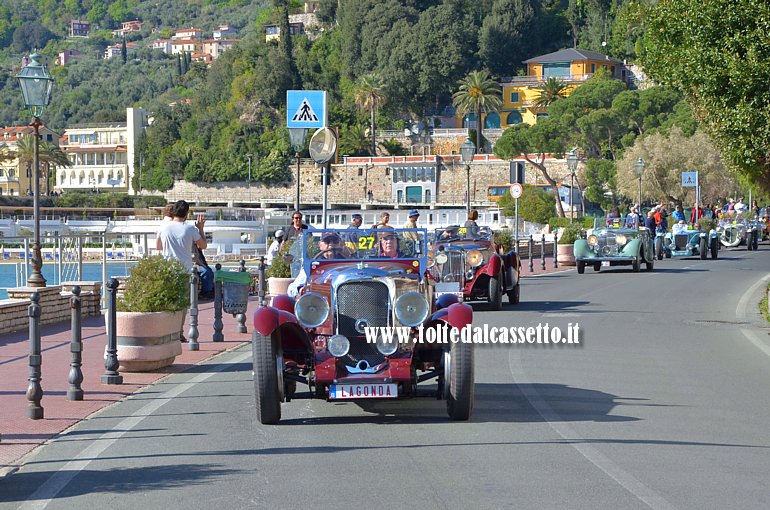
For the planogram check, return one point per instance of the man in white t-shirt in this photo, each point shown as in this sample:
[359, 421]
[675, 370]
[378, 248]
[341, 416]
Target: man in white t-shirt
[274, 247]
[176, 237]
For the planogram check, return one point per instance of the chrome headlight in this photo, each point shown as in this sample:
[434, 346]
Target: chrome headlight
[474, 258]
[311, 310]
[338, 345]
[593, 240]
[411, 308]
[441, 258]
[387, 346]
[620, 239]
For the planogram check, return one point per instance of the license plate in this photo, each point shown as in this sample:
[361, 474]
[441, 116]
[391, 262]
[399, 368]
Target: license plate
[447, 287]
[359, 391]
[605, 263]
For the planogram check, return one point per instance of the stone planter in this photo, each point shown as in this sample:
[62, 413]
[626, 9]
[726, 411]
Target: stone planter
[565, 254]
[148, 340]
[278, 286]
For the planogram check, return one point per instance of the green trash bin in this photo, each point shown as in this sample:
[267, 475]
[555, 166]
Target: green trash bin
[235, 290]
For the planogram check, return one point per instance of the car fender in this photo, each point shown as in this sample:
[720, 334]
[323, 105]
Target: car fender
[582, 249]
[457, 315]
[633, 248]
[492, 268]
[267, 319]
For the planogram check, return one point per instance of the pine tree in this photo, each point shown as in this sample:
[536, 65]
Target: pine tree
[124, 51]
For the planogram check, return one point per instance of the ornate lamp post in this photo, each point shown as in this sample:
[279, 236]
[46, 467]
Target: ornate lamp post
[297, 138]
[639, 166]
[36, 83]
[467, 150]
[572, 162]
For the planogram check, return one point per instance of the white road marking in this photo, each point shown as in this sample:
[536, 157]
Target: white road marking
[741, 312]
[610, 468]
[51, 487]
[561, 314]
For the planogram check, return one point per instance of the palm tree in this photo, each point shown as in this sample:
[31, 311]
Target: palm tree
[48, 153]
[551, 90]
[370, 96]
[478, 93]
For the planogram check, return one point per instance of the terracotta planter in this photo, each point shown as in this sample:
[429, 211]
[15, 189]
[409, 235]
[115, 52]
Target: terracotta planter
[565, 254]
[148, 340]
[278, 286]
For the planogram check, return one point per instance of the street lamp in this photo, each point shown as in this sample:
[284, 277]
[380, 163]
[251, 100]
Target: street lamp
[297, 138]
[36, 83]
[249, 185]
[572, 162]
[639, 165]
[467, 150]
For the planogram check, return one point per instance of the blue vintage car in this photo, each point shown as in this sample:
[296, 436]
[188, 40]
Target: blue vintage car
[615, 242]
[687, 242]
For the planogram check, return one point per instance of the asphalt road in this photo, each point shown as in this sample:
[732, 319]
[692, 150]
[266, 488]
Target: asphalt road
[664, 404]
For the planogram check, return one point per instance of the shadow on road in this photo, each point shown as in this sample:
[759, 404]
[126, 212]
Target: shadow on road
[493, 403]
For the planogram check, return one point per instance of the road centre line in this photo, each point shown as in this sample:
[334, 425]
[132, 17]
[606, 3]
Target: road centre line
[60, 479]
[610, 468]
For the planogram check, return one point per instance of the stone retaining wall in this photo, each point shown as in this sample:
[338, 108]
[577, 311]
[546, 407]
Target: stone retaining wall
[54, 301]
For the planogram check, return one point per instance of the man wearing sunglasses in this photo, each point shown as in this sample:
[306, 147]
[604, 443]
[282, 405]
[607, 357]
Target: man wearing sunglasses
[296, 228]
[330, 247]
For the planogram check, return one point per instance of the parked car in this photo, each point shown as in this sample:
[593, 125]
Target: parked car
[615, 242]
[358, 280]
[466, 262]
[687, 242]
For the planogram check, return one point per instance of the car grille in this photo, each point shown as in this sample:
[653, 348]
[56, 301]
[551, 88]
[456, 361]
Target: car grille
[607, 245]
[453, 270]
[680, 241]
[362, 301]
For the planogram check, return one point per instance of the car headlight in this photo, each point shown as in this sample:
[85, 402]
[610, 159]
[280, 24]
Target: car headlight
[411, 308]
[387, 346]
[441, 258]
[338, 345]
[311, 310]
[593, 240]
[620, 239]
[474, 258]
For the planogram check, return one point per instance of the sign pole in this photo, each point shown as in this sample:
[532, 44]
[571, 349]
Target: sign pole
[516, 205]
[697, 196]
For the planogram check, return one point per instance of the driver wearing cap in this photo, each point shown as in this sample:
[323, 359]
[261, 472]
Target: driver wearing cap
[329, 247]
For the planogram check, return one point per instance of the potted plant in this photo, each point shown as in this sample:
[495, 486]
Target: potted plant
[566, 244]
[279, 273]
[504, 240]
[150, 314]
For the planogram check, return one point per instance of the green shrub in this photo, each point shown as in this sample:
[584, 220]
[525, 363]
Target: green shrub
[583, 221]
[504, 239]
[570, 234]
[156, 284]
[535, 205]
[281, 267]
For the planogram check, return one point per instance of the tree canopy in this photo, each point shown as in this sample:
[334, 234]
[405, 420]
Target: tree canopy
[716, 53]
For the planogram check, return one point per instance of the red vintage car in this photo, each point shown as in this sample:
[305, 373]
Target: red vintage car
[334, 339]
[467, 263]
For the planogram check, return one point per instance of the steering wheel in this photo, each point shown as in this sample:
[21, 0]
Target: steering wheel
[320, 253]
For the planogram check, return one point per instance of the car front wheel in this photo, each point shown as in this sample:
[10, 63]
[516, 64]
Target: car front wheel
[514, 295]
[750, 241]
[267, 360]
[460, 379]
[581, 267]
[659, 248]
[702, 247]
[495, 293]
[714, 247]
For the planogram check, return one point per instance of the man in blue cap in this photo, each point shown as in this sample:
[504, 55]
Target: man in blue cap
[412, 223]
[352, 237]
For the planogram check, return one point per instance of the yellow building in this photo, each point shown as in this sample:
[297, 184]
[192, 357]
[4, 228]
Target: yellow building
[14, 178]
[571, 66]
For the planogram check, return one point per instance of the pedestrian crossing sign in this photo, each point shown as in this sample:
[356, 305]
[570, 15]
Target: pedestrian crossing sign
[305, 108]
[689, 179]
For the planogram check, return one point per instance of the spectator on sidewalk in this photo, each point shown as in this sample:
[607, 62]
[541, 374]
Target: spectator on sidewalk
[274, 247]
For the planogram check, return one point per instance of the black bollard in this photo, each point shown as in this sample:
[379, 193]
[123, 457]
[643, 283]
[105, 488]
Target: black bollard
[261, 281]
[241, 317]
[529, 249]
[75, 392]
[34, 390]
[192, 334]
[111, 363]
[555, 262]
[542, 253]
[218, 324]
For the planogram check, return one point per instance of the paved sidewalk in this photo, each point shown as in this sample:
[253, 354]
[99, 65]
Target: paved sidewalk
[537, 266]
[21, 435]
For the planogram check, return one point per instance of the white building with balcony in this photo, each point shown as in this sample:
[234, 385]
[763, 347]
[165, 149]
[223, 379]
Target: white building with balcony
[102, 155]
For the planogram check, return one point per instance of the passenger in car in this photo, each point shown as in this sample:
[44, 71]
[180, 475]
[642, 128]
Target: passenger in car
[389, 247]
[330, 247]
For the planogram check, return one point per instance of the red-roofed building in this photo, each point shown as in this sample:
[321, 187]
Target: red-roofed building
[128, 27]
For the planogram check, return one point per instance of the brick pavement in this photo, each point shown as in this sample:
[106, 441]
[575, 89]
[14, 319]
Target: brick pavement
[21, 435]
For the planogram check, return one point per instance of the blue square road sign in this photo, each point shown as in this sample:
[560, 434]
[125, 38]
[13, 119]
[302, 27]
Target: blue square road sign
[306, 109]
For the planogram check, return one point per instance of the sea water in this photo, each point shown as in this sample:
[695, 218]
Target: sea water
[91, 272]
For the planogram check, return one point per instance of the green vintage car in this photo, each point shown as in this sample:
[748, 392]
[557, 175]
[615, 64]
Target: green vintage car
[615, 242]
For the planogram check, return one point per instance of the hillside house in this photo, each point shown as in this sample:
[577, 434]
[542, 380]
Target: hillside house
[79, 28]
[128, 27]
